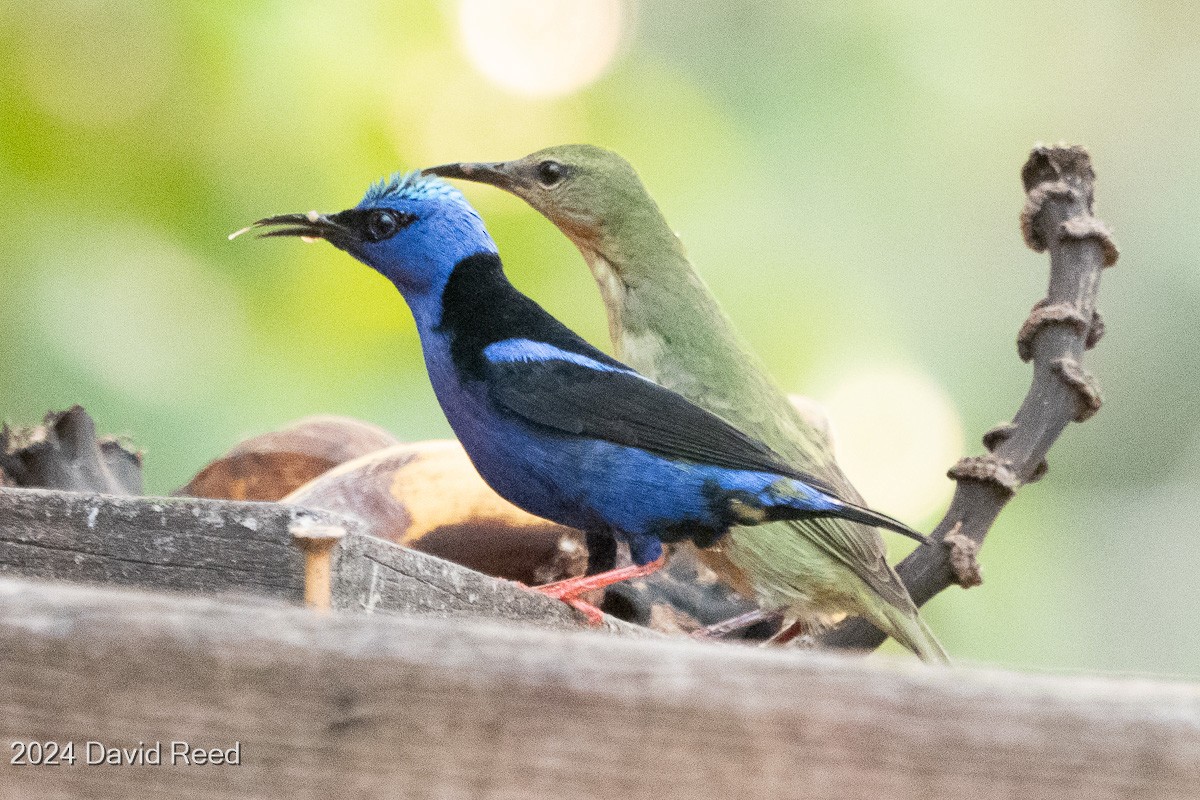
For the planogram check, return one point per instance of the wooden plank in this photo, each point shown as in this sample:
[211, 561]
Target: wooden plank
[156, 542]
[376, 575]
[355, 705]
[210, 546]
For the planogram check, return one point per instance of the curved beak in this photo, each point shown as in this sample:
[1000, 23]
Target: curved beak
[501, 174]
[307, 226]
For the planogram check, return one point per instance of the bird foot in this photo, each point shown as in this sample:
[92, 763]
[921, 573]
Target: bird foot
[569, 590]
[594, 615]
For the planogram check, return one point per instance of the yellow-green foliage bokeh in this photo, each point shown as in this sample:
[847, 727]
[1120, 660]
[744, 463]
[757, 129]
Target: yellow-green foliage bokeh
[844, 175]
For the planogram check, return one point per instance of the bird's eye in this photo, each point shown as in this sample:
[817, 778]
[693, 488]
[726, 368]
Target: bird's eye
[384, 224]
[550, 173]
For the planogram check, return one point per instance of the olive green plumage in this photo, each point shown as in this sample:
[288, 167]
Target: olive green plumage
[665, 323]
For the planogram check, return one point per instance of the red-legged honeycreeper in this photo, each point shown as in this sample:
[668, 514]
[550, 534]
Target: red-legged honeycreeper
[554, 425]
[666, 324]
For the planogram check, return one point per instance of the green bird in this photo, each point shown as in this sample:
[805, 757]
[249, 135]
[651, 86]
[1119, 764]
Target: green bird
[666, 324]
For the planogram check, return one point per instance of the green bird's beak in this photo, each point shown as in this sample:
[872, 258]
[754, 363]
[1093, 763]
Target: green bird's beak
[497, 173]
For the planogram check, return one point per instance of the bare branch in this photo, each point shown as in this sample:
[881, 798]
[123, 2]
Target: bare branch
[1057, 218]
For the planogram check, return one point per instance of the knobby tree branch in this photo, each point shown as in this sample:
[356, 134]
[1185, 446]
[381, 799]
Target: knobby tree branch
[1057, 218]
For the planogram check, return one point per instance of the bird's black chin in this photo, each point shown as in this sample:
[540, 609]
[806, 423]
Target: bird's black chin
[497, 173]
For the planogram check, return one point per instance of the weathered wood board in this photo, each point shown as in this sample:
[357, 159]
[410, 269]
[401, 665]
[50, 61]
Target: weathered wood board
[154, 542]
[215, 546]
[355, 705]
[372, 574]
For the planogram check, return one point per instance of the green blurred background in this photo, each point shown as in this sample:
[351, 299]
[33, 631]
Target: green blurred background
[844, 175]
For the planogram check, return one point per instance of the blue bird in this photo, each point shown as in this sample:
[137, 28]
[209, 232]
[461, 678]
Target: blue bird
[554, 425]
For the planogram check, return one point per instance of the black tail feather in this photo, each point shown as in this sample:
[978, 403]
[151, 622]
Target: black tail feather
[876, 520]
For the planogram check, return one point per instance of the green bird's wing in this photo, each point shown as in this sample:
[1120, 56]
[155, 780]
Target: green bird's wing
[733, 383]
[858, 549]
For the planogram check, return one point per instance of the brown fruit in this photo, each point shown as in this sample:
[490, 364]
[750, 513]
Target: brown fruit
[270, 466]
[429, 497]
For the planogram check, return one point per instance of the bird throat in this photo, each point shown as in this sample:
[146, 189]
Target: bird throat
[627, 335]
[612, 287]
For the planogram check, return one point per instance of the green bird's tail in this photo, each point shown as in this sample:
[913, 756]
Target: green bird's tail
[907, 628]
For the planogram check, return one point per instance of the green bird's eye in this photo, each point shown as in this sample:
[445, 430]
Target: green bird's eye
[550, 173]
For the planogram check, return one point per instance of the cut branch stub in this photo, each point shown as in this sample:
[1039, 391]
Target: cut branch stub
[1057, 218]
[1085, 386]
[963, 561]
[986, 469]
[64, 453]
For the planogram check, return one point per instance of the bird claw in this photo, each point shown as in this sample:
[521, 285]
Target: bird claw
[594, 615]
[569, 590]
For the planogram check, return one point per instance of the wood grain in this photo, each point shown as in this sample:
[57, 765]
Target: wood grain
[354, 705]
[212, 546]
[160, 542]
[376, 575]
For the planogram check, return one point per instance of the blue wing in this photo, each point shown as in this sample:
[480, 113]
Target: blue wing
[575, 393]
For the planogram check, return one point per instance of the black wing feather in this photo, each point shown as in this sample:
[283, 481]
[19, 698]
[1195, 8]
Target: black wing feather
[480, 307]
[627, 409]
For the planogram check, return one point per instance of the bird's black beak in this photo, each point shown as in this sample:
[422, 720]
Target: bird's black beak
[496, 173]
[307, 226]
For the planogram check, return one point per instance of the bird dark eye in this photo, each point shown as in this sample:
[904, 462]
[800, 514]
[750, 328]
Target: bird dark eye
[384, 223]
[550, 173]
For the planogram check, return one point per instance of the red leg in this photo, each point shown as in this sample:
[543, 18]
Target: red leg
[569, 590]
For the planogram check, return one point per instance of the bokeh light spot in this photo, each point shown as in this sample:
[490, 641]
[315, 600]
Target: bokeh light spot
[896, 434]
[542, 48]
